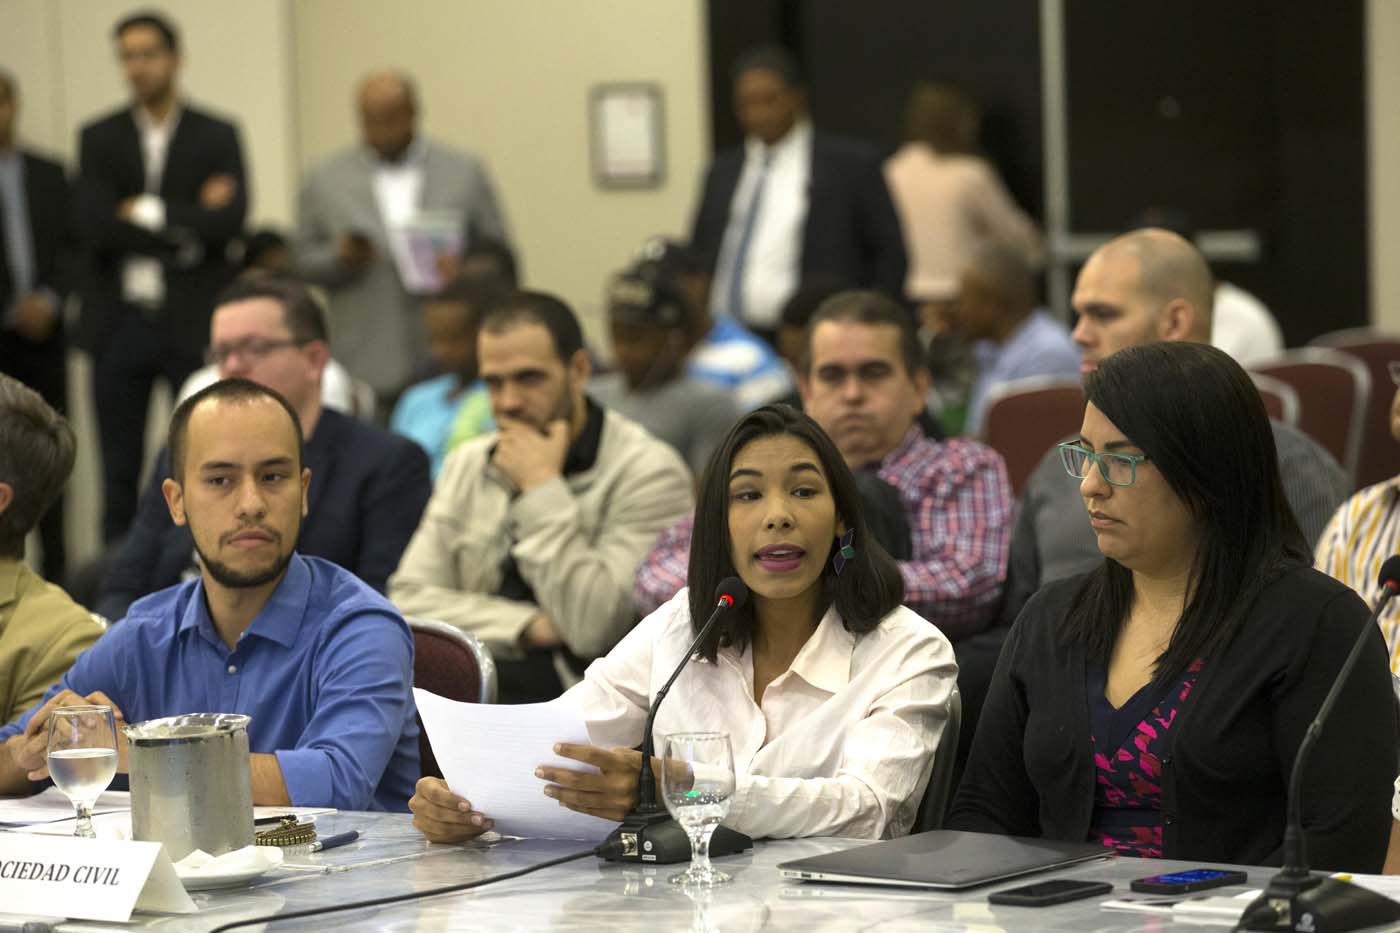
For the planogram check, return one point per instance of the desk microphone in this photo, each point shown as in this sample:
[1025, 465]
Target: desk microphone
[649, 834]
[1296, 899]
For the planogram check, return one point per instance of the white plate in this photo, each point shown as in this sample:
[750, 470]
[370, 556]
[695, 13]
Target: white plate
[205, 881]
[240, 868]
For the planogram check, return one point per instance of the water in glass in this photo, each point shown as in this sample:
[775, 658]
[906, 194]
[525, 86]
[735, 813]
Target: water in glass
[82, 757]
[697, 783]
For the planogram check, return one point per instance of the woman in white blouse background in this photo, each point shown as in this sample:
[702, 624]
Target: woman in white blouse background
[833, 694]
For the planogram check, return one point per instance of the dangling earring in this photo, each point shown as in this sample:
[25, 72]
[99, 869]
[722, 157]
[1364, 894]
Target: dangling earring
[845, 550]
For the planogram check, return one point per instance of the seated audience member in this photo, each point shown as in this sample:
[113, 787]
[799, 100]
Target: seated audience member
[322, 663]
[1013, 339]
[534, 532]
[338, 390]
[650, 334]
[724, 353]
[1363, 532]
[864, 384]
[1241, 324]
[41, 629]
[487, 264]
[371, 486]
[487, 259]
[1145, 286]
[790, 338]
[433, 413]
[1155, 703]
[833, 694]
[265, 252]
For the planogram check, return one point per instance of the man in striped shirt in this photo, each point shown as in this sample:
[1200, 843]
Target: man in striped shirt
[1363, 532]
[864, 383]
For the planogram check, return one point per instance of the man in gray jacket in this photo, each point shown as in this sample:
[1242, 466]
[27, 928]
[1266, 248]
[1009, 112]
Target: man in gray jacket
[351, 206]
[534, 532]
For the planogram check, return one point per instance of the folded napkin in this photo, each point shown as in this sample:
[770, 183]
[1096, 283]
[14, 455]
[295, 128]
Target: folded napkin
[200, 864]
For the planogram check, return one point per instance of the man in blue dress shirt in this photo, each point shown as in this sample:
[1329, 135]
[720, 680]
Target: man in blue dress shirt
[322, 663]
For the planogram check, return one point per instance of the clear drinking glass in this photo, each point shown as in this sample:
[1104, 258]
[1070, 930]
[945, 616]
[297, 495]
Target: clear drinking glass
[697, 783]
[82, 757]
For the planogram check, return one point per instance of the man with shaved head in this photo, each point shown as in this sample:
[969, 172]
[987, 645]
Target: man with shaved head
[1142, 287]
[352, 207]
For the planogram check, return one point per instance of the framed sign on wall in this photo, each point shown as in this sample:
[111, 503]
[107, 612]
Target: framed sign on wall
[628, 129]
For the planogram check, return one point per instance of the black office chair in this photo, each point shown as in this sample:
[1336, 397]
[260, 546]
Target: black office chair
[939, 793]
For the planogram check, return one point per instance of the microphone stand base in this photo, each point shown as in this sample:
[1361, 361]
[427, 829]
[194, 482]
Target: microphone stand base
[652, 837]
[1318, 905]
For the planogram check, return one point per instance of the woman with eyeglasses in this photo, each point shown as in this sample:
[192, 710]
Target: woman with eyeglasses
[1155, 703]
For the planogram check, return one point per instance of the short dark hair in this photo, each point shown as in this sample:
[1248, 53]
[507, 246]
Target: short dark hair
[774, 58]
[542, 309]
[1198, 416]
[478, 295]
[803, 303]
[37, 448]
[225, 390]
[151, 20]
[872, 309]
[500, 255]
[868, 588]
[260, 242]
[301, 312]
[7, 78]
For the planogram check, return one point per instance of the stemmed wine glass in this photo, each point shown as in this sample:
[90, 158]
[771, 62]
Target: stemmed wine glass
[82, 757]
[697, 783]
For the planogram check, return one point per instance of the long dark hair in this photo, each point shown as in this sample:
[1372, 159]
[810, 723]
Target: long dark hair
[1197, 415]
[868, 588]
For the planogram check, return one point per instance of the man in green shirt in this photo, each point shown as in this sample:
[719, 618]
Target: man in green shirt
[42, 630]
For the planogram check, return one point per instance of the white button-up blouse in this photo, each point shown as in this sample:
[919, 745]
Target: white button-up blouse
[842, 744]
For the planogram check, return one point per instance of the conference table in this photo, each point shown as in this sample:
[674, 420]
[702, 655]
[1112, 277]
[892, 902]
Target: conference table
[391, 858]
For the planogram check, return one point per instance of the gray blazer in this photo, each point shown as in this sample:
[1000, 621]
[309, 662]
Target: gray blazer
[375, 328]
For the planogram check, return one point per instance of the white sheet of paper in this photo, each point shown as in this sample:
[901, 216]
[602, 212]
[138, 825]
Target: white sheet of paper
[88, 879]
[488, 754]
[50, 805]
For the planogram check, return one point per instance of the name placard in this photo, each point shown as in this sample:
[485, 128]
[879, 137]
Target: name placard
[87, 879]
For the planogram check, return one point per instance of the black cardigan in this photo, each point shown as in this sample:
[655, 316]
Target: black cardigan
[1225, 776]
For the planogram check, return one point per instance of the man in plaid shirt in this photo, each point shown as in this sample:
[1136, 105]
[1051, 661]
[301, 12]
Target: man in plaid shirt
[864, 383]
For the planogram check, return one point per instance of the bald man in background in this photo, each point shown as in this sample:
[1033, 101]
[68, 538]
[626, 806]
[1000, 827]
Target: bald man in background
[350, 206]
[1139, 288]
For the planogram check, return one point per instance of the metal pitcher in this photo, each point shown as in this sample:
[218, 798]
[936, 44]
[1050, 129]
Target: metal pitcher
[191, 784]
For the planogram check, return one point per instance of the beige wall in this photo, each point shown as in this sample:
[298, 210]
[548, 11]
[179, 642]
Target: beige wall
[506, 78]
[1383, 106]
[237, 62]
[510, 80]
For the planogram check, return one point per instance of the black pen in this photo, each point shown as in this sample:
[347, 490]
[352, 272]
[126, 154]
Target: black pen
[339, 839]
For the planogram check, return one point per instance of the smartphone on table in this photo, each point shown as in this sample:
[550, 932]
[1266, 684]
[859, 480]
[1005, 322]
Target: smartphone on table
[1184, 882]
[1045, 893]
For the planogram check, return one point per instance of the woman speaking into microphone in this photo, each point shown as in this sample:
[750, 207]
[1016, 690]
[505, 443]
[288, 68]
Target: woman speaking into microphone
[834, 695]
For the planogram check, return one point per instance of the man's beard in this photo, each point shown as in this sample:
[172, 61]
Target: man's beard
[226, 576]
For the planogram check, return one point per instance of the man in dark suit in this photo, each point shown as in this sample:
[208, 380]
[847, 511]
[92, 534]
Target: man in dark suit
[161, 192]
[35, 264]
[368, 487]
[791, 205]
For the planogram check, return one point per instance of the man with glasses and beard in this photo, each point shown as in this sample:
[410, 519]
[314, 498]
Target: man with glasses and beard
[535, 531]
[371, 485]
[322, 663]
